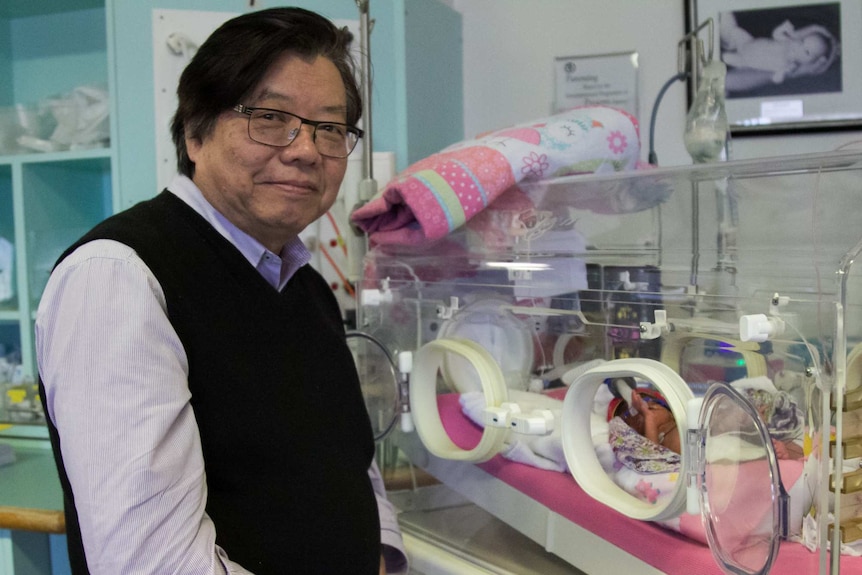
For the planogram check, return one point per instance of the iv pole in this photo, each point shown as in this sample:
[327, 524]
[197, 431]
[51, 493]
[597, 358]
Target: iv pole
[706, 124]
[368, 185]
[692, 60]
[365, 55]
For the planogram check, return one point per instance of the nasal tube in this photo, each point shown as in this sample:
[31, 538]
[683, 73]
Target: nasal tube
[622, 388]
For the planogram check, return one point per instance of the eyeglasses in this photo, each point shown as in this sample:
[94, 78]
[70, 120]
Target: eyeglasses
[279, 128]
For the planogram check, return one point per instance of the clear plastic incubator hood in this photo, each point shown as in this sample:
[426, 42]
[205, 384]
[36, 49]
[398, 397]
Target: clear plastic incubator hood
[521, 360]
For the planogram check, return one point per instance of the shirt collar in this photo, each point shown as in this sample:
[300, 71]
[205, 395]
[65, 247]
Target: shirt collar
[277, 269]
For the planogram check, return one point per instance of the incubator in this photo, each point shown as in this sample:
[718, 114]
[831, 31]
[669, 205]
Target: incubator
[495, 359]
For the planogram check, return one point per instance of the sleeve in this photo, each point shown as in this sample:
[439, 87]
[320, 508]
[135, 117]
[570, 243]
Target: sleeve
[115, 376]
[390, 535]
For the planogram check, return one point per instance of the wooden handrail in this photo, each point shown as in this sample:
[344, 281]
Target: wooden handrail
[24, 519]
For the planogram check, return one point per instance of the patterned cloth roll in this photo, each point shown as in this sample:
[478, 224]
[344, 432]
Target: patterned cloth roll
[442, 192]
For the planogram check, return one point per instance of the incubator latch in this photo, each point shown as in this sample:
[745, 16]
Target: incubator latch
[510, 416]
[500, 416]
[375, 297]
[520, 274]
[654, 330]
[628, 285]
[538, 422]
[447, 312]
[695, 467]
[405, 367]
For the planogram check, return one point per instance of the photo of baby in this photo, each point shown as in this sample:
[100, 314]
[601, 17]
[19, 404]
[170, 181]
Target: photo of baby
[782, 51]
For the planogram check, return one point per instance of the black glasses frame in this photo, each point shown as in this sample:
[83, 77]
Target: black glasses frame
[249, 110]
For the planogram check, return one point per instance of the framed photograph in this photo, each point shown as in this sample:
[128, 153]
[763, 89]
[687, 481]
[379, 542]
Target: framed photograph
[791, 64]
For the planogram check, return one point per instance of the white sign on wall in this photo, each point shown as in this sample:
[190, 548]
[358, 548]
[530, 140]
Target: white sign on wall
[604, 79]
[176, 37]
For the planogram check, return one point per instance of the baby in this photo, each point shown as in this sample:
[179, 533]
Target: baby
[645, 439]
[788, 53]
[653, 419]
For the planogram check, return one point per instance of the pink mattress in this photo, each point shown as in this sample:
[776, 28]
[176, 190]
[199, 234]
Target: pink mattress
[659, 547]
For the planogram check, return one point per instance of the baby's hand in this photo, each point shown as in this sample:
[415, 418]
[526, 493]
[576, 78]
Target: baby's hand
[787, 450]
[658, 422]
[784, 31]
[780, 449]
[653, 413]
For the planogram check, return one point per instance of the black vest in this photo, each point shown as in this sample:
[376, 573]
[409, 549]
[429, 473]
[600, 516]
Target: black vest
[286, 439]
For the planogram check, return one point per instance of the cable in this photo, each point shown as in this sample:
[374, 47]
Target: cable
[338, 237]
[652, 158]
[339, 240]
[346, 284]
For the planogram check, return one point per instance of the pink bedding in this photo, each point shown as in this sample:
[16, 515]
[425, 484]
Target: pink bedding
[671, 552]
[442, 192]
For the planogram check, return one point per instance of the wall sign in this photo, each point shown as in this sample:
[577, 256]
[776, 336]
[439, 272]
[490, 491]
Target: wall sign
[603, 79]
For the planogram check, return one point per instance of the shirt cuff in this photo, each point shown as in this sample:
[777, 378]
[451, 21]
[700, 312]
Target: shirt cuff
[393, 553]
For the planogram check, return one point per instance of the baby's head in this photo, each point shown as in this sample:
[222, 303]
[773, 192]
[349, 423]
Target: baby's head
[810, 48]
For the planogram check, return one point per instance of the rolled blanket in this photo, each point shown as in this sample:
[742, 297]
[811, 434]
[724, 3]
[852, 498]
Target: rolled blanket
[440, 193]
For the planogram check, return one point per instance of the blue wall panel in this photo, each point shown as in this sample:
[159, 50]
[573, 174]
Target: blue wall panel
[433, 85]
[5, 61]
[42, 67]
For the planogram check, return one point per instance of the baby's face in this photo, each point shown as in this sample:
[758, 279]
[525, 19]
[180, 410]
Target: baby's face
[809, 49]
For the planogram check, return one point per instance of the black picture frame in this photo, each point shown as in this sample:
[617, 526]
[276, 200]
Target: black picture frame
[793, 65]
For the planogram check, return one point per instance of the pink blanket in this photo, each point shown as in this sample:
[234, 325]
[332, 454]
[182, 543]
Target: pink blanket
[671, 552]
[442, 192]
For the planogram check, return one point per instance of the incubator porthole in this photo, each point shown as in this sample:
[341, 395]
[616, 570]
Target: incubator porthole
[378, 380]
[506, 338]
[596, 470]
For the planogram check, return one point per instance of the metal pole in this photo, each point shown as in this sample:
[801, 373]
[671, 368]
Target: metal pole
[365, 55]
[367, 186]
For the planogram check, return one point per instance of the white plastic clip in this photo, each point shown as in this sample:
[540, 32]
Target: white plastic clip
[653, 330]
[375, 297]
[628, 285]
[778, 301]
[500, 416]
[405, 368]
[537, 422]
[446, 312]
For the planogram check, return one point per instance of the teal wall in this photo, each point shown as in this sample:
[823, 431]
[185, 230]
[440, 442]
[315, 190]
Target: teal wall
[42, 67]
[433, 79]
[5, 62]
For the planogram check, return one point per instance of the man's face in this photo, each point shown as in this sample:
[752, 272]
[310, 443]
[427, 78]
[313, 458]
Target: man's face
[274, 193]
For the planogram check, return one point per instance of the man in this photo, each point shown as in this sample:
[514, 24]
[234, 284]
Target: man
[203, 405]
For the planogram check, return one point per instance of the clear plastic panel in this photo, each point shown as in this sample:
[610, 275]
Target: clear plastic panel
[742, 497]
[665, 264]
[378, 379]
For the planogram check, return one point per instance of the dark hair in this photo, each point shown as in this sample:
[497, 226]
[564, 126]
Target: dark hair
[236, 57]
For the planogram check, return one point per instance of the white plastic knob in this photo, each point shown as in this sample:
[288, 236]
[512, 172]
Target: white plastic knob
[374, 297]
[755, 327]
[407, 423]
[405, 361]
